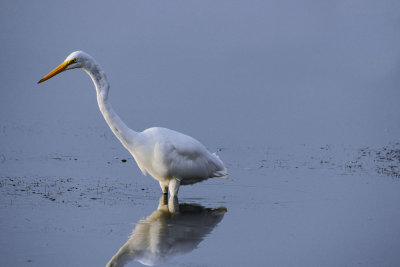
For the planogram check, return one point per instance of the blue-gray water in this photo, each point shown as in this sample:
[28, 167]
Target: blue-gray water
[299, 98]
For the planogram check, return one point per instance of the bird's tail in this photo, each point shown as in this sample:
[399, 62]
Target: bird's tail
[222, 171]
[221, 174]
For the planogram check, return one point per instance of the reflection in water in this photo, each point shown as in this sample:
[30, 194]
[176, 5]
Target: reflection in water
[171, 230]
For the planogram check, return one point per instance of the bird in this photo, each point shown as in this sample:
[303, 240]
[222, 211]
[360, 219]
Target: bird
[171, 157]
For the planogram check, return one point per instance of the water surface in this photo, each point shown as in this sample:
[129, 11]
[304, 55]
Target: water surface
[299, 99]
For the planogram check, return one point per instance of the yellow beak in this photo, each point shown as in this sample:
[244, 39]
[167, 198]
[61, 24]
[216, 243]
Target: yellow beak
[56, 71]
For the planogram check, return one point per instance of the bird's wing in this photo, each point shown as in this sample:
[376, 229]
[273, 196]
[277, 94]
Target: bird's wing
[188, 158]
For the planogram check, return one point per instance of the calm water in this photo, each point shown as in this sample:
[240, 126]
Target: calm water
[298, 205]
[299, 98]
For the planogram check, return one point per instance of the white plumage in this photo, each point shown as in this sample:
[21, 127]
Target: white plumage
[171, 157]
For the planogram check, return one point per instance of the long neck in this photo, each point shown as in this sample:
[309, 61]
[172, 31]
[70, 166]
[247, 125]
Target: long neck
[117, 126]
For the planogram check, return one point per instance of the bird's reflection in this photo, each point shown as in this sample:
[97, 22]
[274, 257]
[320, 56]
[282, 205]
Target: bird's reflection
[171, 230]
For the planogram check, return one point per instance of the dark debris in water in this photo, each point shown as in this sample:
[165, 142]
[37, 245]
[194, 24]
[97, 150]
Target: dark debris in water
[388, 161]
[62, 157]
[384, 160]
[67, 190]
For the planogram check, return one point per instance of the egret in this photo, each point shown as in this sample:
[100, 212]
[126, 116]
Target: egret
[171, 157]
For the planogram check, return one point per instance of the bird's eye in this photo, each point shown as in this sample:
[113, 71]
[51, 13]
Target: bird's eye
[72, 61]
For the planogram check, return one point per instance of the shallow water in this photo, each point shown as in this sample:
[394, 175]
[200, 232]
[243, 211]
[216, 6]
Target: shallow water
[299, 205]
[299, 99]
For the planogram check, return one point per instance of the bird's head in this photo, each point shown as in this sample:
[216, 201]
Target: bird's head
[77, 59]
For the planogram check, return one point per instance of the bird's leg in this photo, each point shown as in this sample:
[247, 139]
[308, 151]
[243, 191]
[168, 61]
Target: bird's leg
[173, 204]
[164, 188]
[174, 187]
[163, 201]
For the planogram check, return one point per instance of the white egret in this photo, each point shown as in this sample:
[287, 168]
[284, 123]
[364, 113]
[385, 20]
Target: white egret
[171, 157]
